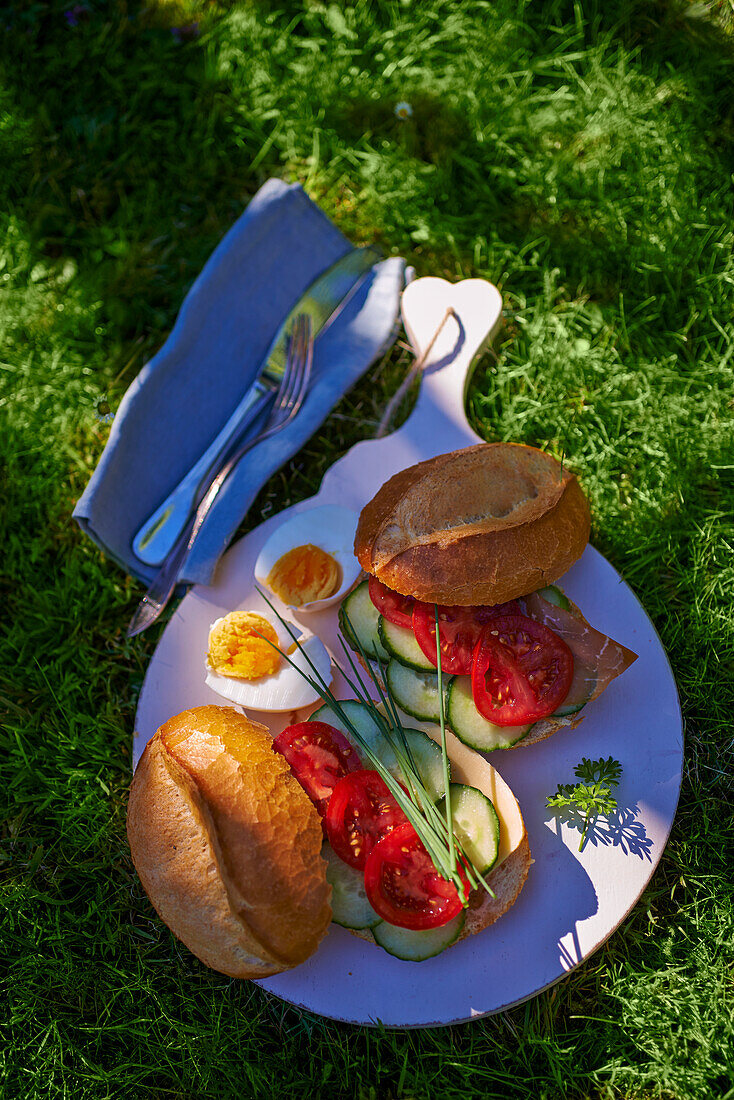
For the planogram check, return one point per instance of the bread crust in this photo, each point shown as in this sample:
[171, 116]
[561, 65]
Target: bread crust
[506, 881]
[481, 525]
[227, 844]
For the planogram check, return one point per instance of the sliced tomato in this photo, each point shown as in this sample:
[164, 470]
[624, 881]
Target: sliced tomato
[521, 671]
[404, 887]
[459, 631]
[319, 756]
[394, 607]
[361, 810]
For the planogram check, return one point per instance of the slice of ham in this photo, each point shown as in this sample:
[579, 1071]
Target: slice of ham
[597, 659]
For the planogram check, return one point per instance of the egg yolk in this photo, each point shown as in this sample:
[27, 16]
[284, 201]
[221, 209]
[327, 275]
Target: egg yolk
[304, 574]
[236, 650]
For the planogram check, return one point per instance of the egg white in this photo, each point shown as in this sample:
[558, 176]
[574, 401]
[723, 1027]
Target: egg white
[286, 689]
[329, 527]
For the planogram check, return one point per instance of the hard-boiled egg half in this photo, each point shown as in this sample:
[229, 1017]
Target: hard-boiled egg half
[309, 561]
[243, 666]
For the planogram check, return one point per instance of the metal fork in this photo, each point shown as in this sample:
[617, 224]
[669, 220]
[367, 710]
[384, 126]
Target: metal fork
[292, 390]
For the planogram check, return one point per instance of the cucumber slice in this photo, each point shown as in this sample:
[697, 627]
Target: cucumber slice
[358, 622]
[416, 692]
[428, 761]
[572, 705]
[349, 905]
[568, 708]
[415, 946]
[473, 728]
[577, 698]
[360, 717]
[426, 753]
[553, 594]
[476, 825]
[400, 643]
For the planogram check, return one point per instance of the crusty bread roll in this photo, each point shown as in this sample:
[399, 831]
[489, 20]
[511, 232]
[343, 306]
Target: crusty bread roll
[227, 844]
[481, 525]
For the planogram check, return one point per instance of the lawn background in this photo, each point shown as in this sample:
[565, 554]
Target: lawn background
[579, 155]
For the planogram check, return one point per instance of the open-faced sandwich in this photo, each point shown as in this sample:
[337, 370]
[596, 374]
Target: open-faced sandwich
[477, 537]
[226, 830]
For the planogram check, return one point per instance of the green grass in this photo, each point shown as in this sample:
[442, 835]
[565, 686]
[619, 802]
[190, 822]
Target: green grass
[578, 155]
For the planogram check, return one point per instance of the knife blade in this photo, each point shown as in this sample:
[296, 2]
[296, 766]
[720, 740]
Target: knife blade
[288, 403]
[323, 301]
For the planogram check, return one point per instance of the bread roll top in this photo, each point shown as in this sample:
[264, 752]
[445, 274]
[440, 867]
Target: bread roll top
[227, 844]
[476, 526]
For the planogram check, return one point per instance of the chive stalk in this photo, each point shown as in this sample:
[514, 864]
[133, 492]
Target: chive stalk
[444, 751]
[434, 829]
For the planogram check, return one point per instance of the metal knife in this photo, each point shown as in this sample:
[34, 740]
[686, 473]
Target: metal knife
[293, 390]
[323, 301]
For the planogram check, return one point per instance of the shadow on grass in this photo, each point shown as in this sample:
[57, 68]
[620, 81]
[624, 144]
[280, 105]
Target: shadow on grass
[131, 145]
[433, 131]
[128, 167]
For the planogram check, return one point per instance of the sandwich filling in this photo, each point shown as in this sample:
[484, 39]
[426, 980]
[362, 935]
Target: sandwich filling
[513, 672]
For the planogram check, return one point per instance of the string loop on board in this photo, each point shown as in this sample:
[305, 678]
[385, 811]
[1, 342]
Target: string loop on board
[394, 402]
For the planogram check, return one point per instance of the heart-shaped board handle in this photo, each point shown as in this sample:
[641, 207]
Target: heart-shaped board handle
[476, 313]
[437, 423]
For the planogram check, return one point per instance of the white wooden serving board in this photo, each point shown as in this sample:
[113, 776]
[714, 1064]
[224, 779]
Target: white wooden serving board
[572, 901]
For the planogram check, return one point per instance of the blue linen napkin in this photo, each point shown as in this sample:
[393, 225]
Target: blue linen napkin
[185, 394]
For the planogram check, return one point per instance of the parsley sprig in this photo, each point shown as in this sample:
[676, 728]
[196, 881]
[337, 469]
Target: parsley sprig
[592, 797]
